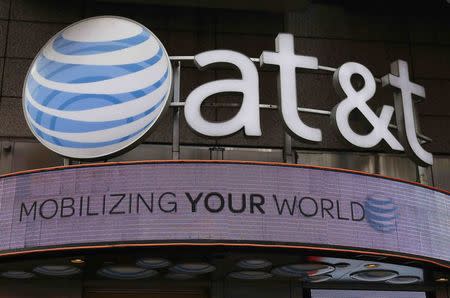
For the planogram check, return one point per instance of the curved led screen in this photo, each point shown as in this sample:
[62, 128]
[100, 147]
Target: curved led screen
[149, 202]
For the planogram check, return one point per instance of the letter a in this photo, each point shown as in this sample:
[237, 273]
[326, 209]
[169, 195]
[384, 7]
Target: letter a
[248, 115]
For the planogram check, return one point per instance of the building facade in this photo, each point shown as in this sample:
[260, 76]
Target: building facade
[259, 172]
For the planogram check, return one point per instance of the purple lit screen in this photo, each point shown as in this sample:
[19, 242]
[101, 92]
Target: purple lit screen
[163, 202]
[365, 294]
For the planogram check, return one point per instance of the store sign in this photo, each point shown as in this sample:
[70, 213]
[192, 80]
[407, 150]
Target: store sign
[100, 85]
[97, 87]
[221, 202]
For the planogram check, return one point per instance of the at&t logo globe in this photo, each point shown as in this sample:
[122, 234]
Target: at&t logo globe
[97, 87]
[381, 213]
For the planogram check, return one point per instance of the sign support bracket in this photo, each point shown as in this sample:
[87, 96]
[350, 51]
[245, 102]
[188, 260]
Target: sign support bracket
[176, 112]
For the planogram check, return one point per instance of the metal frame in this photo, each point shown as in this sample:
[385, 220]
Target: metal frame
[177, 103]
[288, 153]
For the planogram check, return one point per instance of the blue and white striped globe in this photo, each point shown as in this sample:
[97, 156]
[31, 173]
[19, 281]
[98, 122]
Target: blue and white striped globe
[381, 213]
[97, 87]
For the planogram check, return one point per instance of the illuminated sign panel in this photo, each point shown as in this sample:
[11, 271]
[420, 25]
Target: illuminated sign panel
[228, 202]
[362, 294]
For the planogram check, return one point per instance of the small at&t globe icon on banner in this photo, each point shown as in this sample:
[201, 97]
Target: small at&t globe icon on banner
[97, 87]
[381, 213]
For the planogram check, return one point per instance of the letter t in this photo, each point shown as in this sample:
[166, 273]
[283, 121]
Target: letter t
[286, 59]
[404, 109]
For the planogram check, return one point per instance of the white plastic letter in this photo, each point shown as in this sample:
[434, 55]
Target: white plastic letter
[356, 99]
[286, 59]
[248, 115]
[404, 109]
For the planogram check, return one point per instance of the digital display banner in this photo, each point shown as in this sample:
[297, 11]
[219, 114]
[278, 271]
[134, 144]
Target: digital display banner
[364, 294]
[221, 202]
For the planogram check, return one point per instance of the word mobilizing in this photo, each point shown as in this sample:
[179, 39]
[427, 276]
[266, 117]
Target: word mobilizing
[202, 203]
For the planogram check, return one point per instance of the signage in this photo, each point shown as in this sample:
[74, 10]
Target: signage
[319, 293]
[98, 86]
[221, 202]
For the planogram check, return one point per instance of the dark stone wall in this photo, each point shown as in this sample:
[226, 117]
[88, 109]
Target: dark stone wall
[333, 31]
[376, 34]
[25, 26]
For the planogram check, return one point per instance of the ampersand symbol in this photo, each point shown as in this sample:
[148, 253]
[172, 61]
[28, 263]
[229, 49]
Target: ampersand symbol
[356, 99]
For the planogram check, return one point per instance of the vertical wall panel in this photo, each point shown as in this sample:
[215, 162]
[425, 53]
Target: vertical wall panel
[441, 172]
[345, 160]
